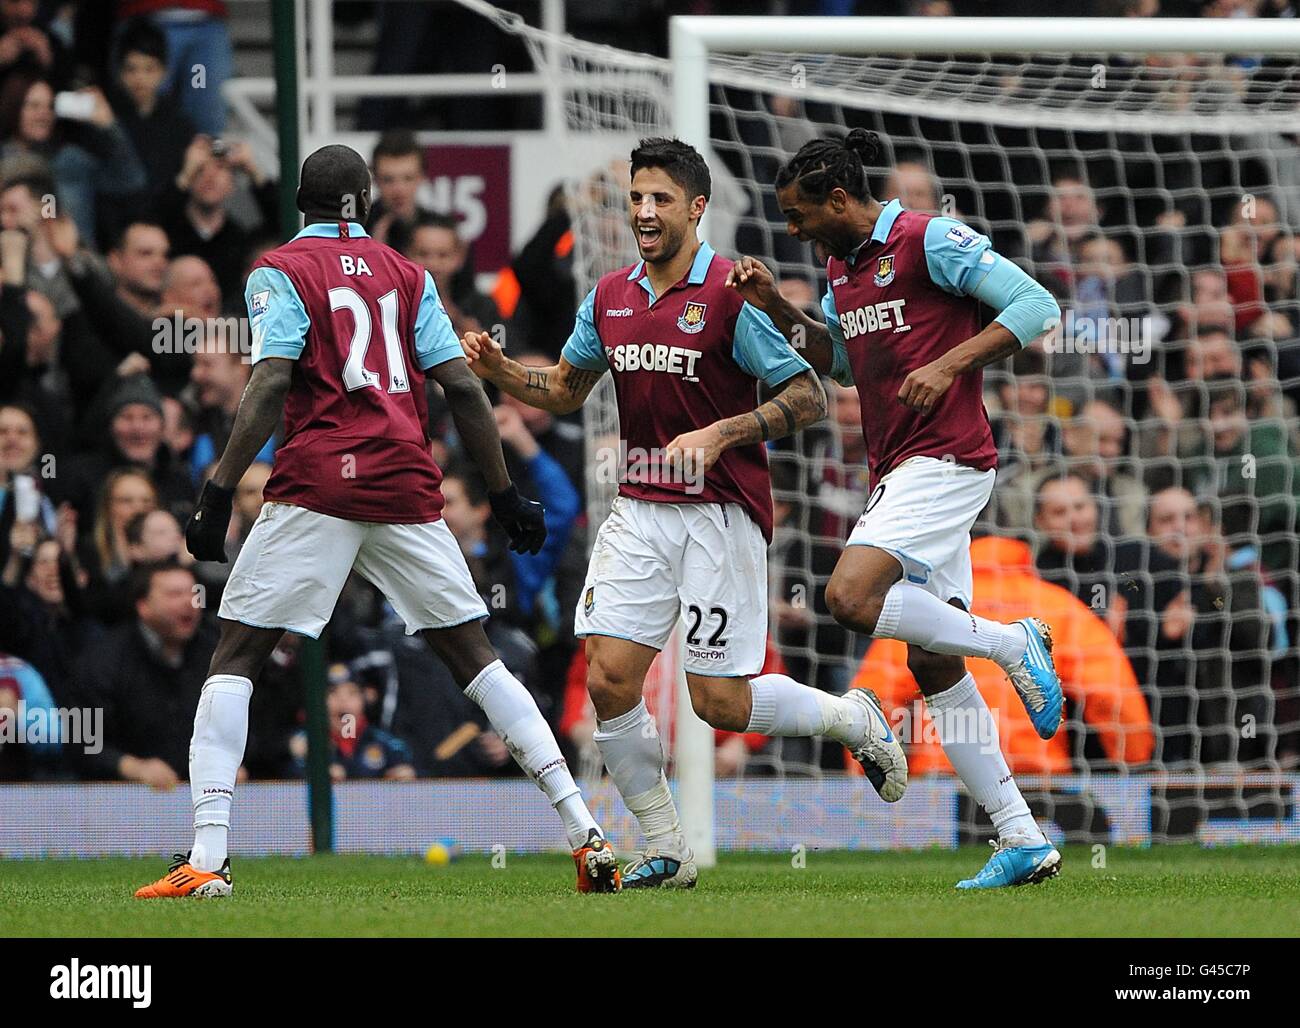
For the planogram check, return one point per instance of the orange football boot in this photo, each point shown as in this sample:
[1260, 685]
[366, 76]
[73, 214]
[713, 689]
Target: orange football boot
[184, 879]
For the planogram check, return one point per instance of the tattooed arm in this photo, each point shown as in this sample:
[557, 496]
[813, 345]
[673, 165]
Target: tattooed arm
[800, 402]
[561, 389]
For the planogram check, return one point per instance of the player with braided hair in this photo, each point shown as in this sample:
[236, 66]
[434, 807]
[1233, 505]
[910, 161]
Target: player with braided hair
[903, 324]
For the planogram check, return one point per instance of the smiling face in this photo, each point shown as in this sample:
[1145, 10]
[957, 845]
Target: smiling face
[661, 215]
[19, 442]
[826, 224]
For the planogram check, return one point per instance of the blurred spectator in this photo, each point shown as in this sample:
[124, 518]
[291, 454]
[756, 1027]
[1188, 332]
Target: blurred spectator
[23, 693]
[435, 243]
[193, 208]
[217, 382]
[88, 155]
[26, 49]
[199, 55]
[134, 440]
[147, 676]
[1024, 431]
[358, 749]
[398, 167]
[1094, 446]
[1095, 676]
[158, 129]
[126, 492]
[42, 616]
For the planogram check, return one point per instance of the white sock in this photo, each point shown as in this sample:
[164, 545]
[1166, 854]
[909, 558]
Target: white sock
[514, 716]
[969, 735]
[634, 755]
[216, 751]
[782, 706]
[915, 616]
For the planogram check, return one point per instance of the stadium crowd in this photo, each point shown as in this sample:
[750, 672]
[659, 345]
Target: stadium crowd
[1148, 510]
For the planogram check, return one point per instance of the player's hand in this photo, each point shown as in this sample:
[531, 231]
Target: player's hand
[483, 353]
[205, 532]
[751, 278]
[523, 519]
[694, 453]
[922, 388]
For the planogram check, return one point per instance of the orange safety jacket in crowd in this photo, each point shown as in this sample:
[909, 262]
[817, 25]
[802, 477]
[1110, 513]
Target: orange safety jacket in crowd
[1095, 673]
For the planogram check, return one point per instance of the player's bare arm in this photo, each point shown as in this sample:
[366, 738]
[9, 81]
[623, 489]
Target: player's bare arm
[800, 402]
[560, 389]
[755, 282]
[260, 410]
[475, 423]
[922, 388]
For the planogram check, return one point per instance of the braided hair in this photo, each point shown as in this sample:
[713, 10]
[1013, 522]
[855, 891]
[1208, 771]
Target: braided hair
[824, 164]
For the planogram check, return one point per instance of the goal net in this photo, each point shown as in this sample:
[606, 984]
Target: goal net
[1147, 492]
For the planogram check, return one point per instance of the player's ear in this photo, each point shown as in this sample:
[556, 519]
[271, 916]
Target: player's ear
[838, 199]
[697, 207]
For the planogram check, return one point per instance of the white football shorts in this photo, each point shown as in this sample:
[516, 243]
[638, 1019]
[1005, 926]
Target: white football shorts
[922, 513]
[704, 562]
[295, 562]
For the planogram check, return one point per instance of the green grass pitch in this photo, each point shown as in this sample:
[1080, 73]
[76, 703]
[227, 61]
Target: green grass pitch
[1164, 891]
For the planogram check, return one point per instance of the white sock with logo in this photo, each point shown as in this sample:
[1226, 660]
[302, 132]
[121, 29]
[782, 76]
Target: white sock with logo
[634, 755]
[782, 706]
[969, 734]
[514, 716]
[912, 615]
[216, 751]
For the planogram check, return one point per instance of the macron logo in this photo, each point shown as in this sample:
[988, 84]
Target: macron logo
[622, 312]
[842, 280]
[103, 981]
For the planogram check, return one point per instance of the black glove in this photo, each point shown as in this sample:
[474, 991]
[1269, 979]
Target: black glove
[205, 532]
[522, 518]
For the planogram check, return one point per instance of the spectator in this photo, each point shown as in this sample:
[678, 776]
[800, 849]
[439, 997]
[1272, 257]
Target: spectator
[1070, 216]
[1024, 431]
[120, 313]
[1250, 466]
[135, 440]
[24, 203]
[358, 749]
[147, 677]
[398, 166]
[199, 55]
[22, 683]
[26, 49]
[125, 493]
[42, 616]
[435, 243]
[1094, 444]
[217, 382]
[88, 158]
[154, 535]
[193, 208]
[20, 452]
[1095, 676]
[138, 261]
[158, 129]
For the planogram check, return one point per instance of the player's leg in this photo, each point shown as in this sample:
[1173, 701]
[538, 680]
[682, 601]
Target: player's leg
[724, 600]
[918, 518]
[627, 611]
[968, 732]
[288, 577]
[422, 572]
